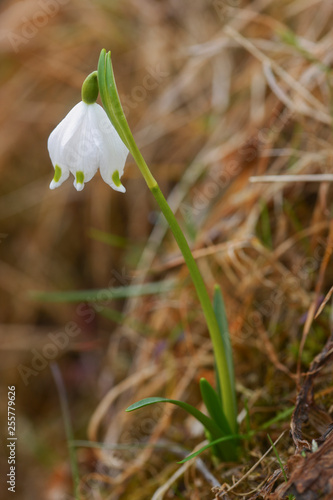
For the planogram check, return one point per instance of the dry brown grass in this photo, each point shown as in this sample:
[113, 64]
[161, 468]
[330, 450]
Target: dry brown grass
[240, 92]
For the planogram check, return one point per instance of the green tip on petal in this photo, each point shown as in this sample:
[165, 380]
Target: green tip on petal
[56, 179]
[79, 177]
[116, 179]
[57, 173]
[79, 181]
[89, 89]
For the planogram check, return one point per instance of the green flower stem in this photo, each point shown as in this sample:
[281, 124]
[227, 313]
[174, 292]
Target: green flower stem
[143, 167]
[218, 346]
[113, 108]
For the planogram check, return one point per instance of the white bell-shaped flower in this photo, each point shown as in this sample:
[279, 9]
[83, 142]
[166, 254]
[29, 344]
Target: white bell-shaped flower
[84, 141]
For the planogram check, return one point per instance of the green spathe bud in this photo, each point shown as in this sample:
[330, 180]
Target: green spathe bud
[89, 89]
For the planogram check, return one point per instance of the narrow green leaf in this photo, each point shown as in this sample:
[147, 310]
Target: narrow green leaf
[228, 452]
[103, 91]
[121, 292]
[111, 85]
[224, 439]
[278, 458]
[214, 406]
[280, 416]
[222, 321]
[207, 422]
[109, 94]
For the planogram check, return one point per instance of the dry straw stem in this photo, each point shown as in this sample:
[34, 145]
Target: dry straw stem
[317, 110]
[207, 155]
[249, 472]
[162, 490]
[324, 302]
[318, 290]
[293, 178]
[131, 385]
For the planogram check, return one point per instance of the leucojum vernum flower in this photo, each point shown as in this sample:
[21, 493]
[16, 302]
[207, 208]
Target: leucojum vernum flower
[89, 138]
[86, 140]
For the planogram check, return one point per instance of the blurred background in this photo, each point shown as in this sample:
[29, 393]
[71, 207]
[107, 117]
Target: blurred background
[215, 92]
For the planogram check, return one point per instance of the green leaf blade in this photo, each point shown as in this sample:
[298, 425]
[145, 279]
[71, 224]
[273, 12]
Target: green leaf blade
[103, 294]
[224, 439]
[227, 451]
[207, 422]
[109, 95]
[214, 406]
[222, 321]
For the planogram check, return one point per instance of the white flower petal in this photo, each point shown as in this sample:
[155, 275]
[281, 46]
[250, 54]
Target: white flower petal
[113, 150]
[78, 185]
[60, 175]
[83, 141]
[120, 189]
[79, 180]
[63, 133]
[80, 152]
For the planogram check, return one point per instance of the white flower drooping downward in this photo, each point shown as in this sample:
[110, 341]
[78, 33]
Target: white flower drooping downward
[84, 141]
